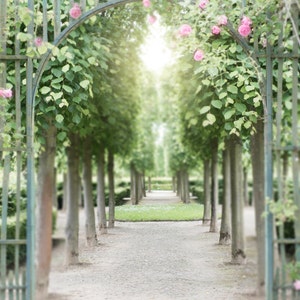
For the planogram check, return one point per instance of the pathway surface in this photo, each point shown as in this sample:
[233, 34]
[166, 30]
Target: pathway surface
[155, 261]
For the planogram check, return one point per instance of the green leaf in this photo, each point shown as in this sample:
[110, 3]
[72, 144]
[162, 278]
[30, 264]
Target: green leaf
[213, 72]
[240, 107]
[62, 136]
[45, 90]
[77, 69]
[84, 84]
[247, 124]
[42, 49]
[229, 113]
[206, 82]
[59, 118]
[67, 88]
[217, 104]
[65, 68]
[232, 89]
[211, 118]
[204, 110]
[222, 95]
[56, 72]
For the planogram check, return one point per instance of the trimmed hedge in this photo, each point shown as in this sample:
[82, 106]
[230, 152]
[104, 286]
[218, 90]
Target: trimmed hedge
[11, 231]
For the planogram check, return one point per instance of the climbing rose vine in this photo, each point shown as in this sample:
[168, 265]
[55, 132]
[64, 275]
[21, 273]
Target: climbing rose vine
[203, 4]
[185, 30]
[245, 26]
[75, 11]
[215, 30]
[199, 55]
[297, 285]
[5, 93]
[146, 3]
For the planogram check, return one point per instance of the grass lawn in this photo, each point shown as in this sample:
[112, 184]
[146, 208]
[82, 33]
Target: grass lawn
[159, 212]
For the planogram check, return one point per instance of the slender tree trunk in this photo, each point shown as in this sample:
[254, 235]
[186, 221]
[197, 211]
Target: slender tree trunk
[45, 194]
[257, 157]
[178, 184]
[133, 187]
[111, 184]
[245, 184]
[144, 185]
[101, 213]
[225, 231]
[90, 230]
[236, 169]
[54, 199]
[207, 192]
[174, 184]
[149, 185]
[65, 192]
[186, 188]
[72, 226]
[215, 187]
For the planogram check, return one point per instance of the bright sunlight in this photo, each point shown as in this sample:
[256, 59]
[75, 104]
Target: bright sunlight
[155, 52]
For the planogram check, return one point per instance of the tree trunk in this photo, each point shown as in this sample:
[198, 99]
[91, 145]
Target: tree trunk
[237, 206]
[257, 157]
[133, 187]
[65, 192]
[178, 184]
[101, 213]
[207, 192]
[45, 194]
[215, 187]
[111, 184]
[225, 231]
[149, 185]
[174, 184]
[245, 184]
[90, 230]
[72, 226]
[186, 188]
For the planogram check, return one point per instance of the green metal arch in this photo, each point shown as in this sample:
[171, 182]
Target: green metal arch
[63, 35]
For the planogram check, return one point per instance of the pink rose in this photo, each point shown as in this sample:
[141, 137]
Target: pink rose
[222, 20]
[246, 21]
[244, 30]
[75, 11]
[297, 285]
[203, 4]
[185, 30]
[146, 3]
[198, 55]
[152, 19]
[216, 30]
[38, 41]
[5, 93]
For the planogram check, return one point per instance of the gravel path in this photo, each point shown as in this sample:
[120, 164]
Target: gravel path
[155, 261]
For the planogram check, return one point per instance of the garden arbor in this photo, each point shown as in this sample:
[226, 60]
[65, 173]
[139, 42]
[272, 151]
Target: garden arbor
[285, 56]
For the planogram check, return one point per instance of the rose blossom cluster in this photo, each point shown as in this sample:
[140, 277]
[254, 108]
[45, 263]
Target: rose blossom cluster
[185, 30]
[147, 3]
[222, 21]
[245, 26]
[297, 285]
[5, 93]
[75, 11]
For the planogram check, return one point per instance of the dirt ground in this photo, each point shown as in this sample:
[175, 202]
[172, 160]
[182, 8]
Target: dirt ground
[155, 261]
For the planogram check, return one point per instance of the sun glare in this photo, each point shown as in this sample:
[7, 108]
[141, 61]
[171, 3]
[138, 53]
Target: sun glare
[155, 53]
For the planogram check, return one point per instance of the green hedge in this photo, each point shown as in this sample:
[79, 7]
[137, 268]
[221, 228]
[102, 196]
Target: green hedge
[11, 231]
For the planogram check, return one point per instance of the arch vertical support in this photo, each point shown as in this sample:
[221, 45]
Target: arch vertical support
[268, 138]
[31, 218]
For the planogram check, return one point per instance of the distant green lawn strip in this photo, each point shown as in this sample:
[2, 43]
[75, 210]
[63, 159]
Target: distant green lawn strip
[159, 212]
